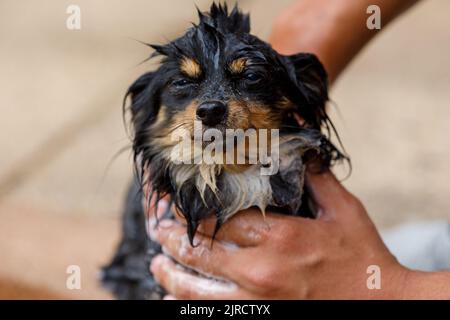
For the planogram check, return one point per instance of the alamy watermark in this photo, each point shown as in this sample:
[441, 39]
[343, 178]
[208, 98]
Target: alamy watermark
[73, 281]
[373, 22]
[73, 21]
[234, 147]
[374, 280]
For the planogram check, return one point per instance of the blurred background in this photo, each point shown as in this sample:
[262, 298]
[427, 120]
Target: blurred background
[61, 189]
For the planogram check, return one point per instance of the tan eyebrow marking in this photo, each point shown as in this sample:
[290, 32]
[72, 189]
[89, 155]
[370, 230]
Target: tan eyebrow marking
[190, 67]
[238, 65]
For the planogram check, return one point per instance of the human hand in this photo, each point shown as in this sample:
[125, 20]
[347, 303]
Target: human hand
[282, 257]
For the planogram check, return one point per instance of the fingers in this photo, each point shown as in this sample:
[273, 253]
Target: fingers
[182, 284]
[249, 228]
[206, 257]
[246, 228]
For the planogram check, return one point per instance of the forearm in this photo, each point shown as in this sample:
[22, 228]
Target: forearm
[334, 30]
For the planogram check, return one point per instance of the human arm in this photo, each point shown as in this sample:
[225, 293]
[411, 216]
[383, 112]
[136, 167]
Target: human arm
[334, 30]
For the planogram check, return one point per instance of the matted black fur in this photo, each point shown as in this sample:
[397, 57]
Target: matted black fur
[271, 78]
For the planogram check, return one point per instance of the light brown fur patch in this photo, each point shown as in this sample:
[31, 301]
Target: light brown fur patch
[238, 115]
[190, 67]
[238, 65]
[244, 115]
[264, 117]
[185, 118]
[181, 120]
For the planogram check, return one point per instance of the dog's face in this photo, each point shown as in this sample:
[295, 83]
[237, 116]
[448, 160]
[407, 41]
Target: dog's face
[219, 74]
[231, 89]
[230, 84]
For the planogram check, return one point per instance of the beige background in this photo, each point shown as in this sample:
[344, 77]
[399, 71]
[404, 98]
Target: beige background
[61, 126]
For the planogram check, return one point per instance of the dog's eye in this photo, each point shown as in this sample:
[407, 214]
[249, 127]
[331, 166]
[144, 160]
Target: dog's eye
[252, 77]
[181, 82]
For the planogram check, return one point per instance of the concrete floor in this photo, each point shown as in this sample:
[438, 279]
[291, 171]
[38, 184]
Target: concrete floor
[61, 190]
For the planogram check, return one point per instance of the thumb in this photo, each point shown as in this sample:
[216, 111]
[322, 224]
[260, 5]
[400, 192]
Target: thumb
[329, 194]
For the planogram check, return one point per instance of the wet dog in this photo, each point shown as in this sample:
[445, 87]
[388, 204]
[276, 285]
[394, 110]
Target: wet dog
[219, 81]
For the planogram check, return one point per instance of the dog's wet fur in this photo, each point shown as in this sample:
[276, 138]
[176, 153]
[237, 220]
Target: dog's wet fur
[219, 74]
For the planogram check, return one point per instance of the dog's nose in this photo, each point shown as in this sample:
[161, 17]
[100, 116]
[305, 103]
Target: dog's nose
[211, 112]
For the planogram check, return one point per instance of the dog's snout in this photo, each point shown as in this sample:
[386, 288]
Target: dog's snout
[211, 112]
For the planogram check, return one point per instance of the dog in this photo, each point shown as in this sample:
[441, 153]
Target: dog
[220, 77]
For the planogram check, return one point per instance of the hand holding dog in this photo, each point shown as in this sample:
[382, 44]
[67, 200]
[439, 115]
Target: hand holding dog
[283, 257]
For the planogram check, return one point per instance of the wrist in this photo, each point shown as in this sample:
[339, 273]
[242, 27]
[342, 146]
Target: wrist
[427, 285]
[394, 283]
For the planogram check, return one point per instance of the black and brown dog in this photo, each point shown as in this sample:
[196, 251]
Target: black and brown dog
[221, 75]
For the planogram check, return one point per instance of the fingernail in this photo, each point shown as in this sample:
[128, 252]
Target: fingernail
[166, 223]
[169, 297]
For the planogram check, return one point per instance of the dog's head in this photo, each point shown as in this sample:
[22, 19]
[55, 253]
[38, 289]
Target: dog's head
[225, 77]
[220, 74]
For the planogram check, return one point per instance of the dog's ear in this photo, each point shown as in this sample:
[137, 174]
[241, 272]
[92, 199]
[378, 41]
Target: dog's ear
[140, 84]
[308, 90]
[310, 72]
[141, 93]
[144, 98]
[310, 86]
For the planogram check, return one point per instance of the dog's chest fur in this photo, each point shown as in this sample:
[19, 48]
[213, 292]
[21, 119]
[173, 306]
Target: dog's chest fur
[202, 190]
